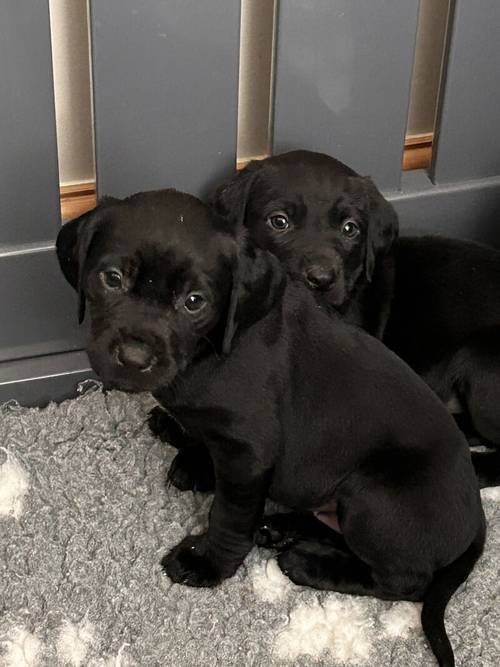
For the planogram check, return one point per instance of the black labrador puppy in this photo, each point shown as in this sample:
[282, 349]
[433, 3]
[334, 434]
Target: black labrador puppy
[433, 301]
[289, 402]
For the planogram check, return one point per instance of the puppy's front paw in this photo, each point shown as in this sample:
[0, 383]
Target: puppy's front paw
[276, 532]
[293, 563]
[158, 422]
[309, 563]
[191, 472]
[301, 565]
[189, 563]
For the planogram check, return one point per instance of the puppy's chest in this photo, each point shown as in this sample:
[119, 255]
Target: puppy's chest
[220, 412]
[231, 396]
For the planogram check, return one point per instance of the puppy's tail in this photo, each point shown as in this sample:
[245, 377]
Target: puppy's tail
[444, 584]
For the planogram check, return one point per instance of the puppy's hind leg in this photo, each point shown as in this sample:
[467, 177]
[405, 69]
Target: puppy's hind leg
[322, 566]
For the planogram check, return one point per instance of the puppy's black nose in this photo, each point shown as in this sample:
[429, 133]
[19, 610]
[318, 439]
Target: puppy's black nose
[135, 355]
[320, 277]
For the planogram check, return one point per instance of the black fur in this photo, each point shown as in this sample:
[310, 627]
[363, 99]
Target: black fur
[318, 193]
[289, 402]
[445, 322]
[142, 237]
[434, 301]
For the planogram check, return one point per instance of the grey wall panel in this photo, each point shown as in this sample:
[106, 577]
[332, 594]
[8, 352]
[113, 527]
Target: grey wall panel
[165, 93]
[468, 140]
[29, 182]
[343, 72]
[467, 210]
[39, 309]
[43, 379]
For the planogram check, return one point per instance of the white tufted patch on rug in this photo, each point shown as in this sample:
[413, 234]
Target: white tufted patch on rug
[74, 641]
[14, 482]
[120, 660]
[400, 619]
[23, 649]
[341, 628]
[491, 493]
[268, 581]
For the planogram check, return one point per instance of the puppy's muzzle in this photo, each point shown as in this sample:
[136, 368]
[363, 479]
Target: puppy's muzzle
[136, 355]
[320, 277]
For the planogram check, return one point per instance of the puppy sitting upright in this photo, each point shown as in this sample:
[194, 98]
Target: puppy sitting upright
[434, 301]
[289, 404]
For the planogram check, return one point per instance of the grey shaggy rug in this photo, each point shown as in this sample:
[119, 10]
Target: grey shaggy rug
[85, 518]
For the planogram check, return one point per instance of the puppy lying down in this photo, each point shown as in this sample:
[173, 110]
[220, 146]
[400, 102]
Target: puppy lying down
[267, 396]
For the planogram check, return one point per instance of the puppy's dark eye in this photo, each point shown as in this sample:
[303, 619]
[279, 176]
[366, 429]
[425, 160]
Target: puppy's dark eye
[112, 278]
[194, 302]
[278, 221]
[350, 228]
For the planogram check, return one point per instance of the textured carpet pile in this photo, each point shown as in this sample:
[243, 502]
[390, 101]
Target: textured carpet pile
[85, 518]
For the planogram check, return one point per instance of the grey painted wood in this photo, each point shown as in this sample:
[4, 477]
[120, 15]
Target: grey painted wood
[29, 182]
[464, 210]
[39, 309]
[467, 209]
[165, 93]
[343, 71]
[43, 379]
[468, 140]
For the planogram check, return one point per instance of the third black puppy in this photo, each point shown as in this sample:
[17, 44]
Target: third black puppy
[288, 402]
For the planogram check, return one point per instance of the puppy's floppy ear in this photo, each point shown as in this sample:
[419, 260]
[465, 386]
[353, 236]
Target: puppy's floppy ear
[257, 281]
[383, 225]
[226, 199]
[73, 244]
[256, 274]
